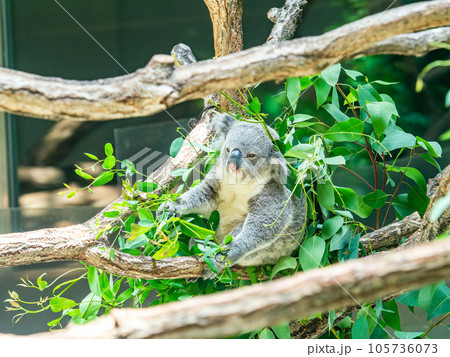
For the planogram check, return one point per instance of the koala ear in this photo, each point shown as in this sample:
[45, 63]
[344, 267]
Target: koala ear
[278, 167]
[223, 123]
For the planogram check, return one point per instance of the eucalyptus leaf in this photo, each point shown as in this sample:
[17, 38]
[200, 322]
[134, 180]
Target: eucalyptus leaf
[322, 90]
[283, 263]
[331, 74]
[175, 146]
[311, 253]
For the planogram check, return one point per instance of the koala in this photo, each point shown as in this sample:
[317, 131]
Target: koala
[246, 186]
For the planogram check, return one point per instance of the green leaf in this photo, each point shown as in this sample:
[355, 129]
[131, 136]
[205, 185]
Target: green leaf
[293, 90]
[90, 305]
[331, 319]
[397, 139]
[402, 206]
[322, 90]
[147, 186]
[111, 214]
[331, 74]
[432, 161]
[346, 322]
[411, 298]
[335, 112]
[334, 160]
[109, 149]
[352, 74]
[59, 303]
[383, 83]
[360, 329]
[301, 151]
[331, 226]
[297, 118]
[255, 105]
[176, 146]
[440, 302]
[282, 264]
[42, 284]
[93, 157]
[109, 162]
[83, 174]
[282, 331]
[381, 115]
[209, 263]
[103, 178]
[407, 335]
[305, 82]
[375, 199]
[71, 194]
[311, 253]
[365, 95]
[391, 315]
[341, 238]
[125, 295]
[94, 283]
[433, 148]
[266, 334]
[325, 195]
[413, 174]
[192, 230]
[169, 249]
[439, 207]
[179, 172]
[145, 214]
[350, 130]
[362, 210]
[418, 200]
[346, 197]
[369, 314]
[214, 220]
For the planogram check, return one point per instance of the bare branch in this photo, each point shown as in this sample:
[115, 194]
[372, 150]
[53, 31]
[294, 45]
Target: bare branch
[411, 44]
[286, 20]
[160, 84]
[231, 312]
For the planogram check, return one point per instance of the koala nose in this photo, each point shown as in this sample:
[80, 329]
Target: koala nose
[234, 159]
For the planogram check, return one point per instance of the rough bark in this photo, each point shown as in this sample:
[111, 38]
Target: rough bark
[161, 84]
[44, 245]
[231, 312]
[286, 20]
[226, 18]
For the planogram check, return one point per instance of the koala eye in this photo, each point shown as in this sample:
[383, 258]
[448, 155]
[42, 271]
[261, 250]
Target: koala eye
[251, 155]
[228, 149]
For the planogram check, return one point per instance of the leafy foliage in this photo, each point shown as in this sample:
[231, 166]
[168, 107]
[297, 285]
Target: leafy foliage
[354, 124]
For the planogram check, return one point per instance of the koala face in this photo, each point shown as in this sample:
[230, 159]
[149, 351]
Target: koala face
[248, 153]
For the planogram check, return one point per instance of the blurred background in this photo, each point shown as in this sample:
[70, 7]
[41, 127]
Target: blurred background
[38, 156]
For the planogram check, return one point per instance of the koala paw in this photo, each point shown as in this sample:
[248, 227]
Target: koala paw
[219, 262]
[166, 207]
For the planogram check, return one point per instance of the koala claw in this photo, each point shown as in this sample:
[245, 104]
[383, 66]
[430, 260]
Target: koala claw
[219, 261]
[166, 207]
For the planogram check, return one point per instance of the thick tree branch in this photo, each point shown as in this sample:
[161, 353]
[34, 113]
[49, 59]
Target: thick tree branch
[231, 312]
[78, 242]
[161, 84]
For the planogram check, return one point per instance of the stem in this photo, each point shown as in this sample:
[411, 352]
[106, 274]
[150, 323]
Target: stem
[398, 186]
[354, 173]
[437, 323]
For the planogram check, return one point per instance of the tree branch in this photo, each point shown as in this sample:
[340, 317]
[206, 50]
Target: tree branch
[231, 312]
[160, 84]
[286, 20]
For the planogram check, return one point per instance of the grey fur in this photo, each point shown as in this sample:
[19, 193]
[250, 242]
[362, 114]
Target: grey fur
[265, 219]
